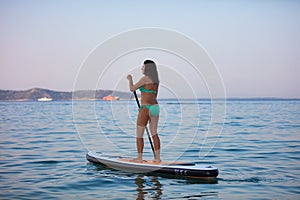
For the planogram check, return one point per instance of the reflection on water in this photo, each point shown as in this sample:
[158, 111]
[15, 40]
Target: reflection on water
[149, 186]
[153, 188]
[144, 188]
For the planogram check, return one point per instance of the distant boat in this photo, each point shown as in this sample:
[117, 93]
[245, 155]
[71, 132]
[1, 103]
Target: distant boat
[110, 98]
[45, 99]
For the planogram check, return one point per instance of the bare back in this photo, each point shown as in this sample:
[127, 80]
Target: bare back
[149, 98]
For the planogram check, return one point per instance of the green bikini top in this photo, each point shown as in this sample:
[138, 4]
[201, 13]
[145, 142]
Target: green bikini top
[142, 89]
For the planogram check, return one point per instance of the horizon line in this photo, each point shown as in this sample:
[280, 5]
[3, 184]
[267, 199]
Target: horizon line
[165, 98]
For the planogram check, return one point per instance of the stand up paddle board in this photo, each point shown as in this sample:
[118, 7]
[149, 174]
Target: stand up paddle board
[171, 168]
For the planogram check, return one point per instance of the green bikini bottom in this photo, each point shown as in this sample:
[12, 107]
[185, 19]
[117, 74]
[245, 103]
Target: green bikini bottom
[153, 109]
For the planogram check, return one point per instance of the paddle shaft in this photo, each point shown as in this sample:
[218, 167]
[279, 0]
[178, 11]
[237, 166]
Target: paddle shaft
[138, 103]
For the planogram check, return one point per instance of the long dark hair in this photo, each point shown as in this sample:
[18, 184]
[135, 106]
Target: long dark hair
[151, 70]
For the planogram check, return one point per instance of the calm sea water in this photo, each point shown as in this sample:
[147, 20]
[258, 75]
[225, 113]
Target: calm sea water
[43, 147]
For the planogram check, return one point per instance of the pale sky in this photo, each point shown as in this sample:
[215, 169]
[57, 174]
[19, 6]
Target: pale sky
[254, 44]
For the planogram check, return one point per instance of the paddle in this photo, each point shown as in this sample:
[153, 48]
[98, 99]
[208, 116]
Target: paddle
[138, 103]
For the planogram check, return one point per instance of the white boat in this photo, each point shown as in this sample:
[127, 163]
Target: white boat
[45, 99]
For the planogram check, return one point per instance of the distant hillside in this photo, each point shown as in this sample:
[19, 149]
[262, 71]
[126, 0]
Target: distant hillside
[36, 93]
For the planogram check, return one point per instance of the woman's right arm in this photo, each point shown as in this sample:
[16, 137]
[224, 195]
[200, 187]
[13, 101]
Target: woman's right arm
[134, 87]
[129, 77]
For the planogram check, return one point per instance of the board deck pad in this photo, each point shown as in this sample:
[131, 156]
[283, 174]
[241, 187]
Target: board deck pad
[131, 160]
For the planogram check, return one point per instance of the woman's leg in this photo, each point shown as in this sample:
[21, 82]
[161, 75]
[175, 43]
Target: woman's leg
[139, 143]
[153, 129]
[141, 123]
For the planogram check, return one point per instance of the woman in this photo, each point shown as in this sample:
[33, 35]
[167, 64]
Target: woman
[149, 111]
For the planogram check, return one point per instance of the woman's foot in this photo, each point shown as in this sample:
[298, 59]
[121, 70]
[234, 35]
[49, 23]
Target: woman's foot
[156, 161]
